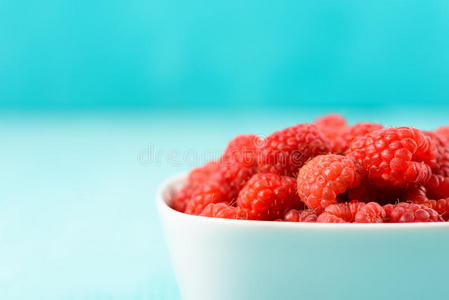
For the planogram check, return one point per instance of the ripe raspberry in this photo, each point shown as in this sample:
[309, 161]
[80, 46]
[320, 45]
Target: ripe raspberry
[208, 192]
[349, 134]
[440, 165]
[268, 196]
[366, 192]
[326, 217]
[201, 174]
[181, 198]
[444, 132]
[438, 187]
[307, 215]
[331, 126]
[340, 212]
[222, 185]
[243, 149]
[434, 195]
[324, 177]
[233, 174]
[223, 210]
[372, 212]
[410, 213]
[285, 151]
[394, 157]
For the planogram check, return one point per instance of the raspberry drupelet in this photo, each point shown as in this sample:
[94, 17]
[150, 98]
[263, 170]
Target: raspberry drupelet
[324, 177]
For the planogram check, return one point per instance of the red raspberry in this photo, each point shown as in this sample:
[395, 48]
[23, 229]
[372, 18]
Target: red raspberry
[331, 126]
[181, 198]
[268, 196]
[434, 195]
[366, 192]
[438, 187]
[410, 213]
[326, 176]
[326, 217]
[307, 215]
[349, 134]
[440, 165]
[208, 192]
[223, 210]
[372, 212]
[444, 132]
[223, 185]
[341, 212]
[201, 174]
[243, 149]
[394, 157]
[285, 151]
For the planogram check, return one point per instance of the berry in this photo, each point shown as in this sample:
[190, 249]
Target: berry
[181, 198]
[366, 192]
[201, 174]
[349, 134]
[409, 213]
[326, 176]
[268, 196]
[285, 151]
[440, 165]
[208, 192]
[372, 212]
[435, 194]
[331, 126]
[307, 215]
[326, 217]
[396, 157]
[443, 132]
[341, 212]
[222, 210]
[243, 149]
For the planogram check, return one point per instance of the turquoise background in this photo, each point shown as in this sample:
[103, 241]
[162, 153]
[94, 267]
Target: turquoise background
[100, 101]
[61, 54]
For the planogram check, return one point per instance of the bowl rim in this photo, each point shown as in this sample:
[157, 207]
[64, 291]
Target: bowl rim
[176, 179]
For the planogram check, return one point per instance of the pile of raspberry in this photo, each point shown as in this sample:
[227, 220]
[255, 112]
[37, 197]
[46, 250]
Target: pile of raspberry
[328, 172]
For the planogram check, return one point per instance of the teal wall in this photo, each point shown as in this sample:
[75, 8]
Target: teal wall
[171, 53]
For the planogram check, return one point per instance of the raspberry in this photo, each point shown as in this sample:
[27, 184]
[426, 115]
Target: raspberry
[307, 215]
[326, 176]
[268, 196]
[331, 126]
[201, 174]
[440, 165]
[243, 149]
[349, 134]
[395, 157]
[340, 212]
[434, 195]
[409, 213]
[223, 185]
[366, 192]
[326, 217]
[208, 192]
[444, 132]
[285, 151]
[181, 198]
[372, 212]
[223, 210]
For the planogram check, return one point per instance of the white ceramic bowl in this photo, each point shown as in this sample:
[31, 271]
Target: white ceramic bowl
[248, 260]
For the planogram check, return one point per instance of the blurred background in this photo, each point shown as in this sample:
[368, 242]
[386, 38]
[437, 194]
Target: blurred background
[100, 101]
